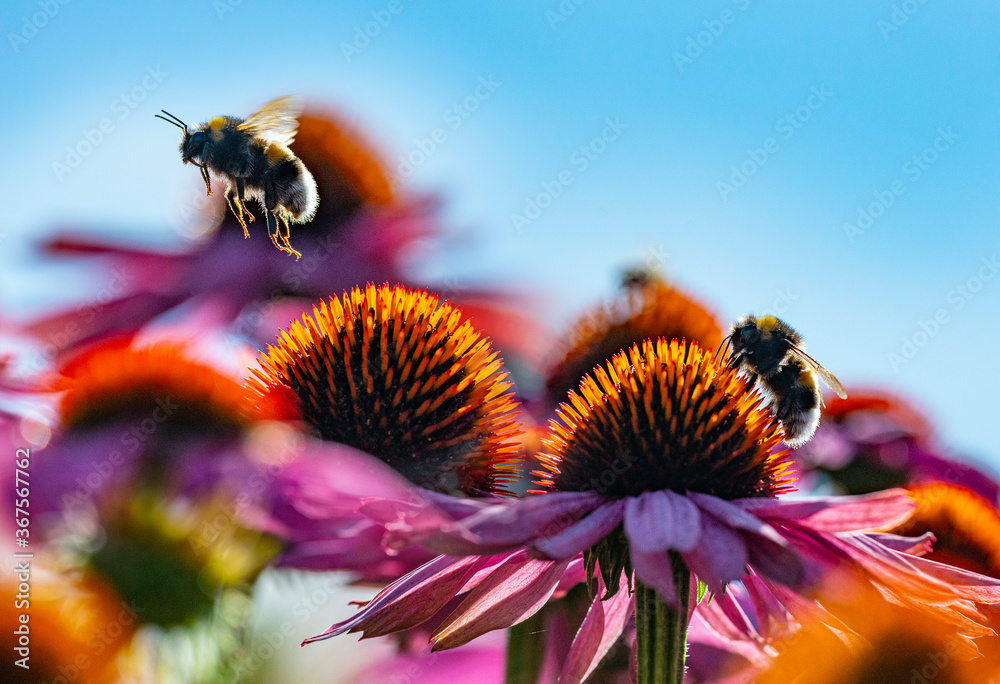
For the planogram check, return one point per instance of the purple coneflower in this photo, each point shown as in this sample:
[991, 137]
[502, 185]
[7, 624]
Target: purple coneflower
[665, 466]
[395, 387]
[133, 416]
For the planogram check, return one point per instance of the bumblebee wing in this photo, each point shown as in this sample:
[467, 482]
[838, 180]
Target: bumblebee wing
[824, 375]
[276, 120]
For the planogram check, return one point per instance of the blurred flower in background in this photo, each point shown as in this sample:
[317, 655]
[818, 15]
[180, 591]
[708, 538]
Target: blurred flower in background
[878, 641]
[873, 440]
[647, 309]
[363, 231]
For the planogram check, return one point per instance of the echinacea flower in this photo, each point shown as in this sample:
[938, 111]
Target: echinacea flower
[648, 309]
[130, 415]
[396, 374]
[873, 440]
[182, 566]
[966, 526]
[666, 463]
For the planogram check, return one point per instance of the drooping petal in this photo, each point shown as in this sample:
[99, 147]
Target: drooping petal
[914, 546]
[580, 536]
[575, 573]
[654, 569]
[508, 525]
[409, 600]
[880, 510]
[768, 551]
[727, 618]
[720, 557]
[771, 615]
[921, 574]
[776, 561]
[600, 629]
[513, 592]
[735, 517]
[661, 520]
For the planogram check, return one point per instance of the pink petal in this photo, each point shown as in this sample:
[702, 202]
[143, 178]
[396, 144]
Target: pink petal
[409, 600]
[880, 510]
[720, 557]
[769, 552]
[914, 546]
[966, 584]
[726, 618]
[580, 536]
[513, 592]
[776, 561]
[735, 517]
[574, 574]
[348, 472]
[654, 570]
[661, 520]
[600, 629]
[771, 615]
[514, 522]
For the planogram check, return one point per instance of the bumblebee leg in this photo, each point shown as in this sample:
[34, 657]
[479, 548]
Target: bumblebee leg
[208, 180]
[242, 197]
[270, 210]
[274, 231]
[237, 209]
[285, 233]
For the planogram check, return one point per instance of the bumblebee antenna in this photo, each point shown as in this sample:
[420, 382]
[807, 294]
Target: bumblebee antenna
[177, 122]
[724, 343]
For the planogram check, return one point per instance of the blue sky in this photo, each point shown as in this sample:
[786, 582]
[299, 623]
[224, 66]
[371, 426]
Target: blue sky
[890, 108]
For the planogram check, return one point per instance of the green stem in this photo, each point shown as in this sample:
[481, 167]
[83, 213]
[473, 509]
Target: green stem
[526, 650]
[661, 631]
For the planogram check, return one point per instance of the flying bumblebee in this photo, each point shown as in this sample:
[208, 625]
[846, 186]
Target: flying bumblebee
[770, 354]
[253, 157]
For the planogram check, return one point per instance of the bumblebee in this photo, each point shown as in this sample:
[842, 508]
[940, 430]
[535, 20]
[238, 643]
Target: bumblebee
[254, 159]
[638, 277]
[769, 352]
